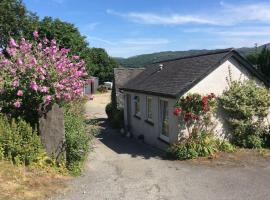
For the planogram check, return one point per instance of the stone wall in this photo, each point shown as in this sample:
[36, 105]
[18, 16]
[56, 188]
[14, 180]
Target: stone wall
[52, 131]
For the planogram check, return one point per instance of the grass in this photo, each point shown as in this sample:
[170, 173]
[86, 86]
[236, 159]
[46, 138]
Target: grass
[23, 183]
[241, 157]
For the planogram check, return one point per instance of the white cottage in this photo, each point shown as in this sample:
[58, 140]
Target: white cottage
[151, 96]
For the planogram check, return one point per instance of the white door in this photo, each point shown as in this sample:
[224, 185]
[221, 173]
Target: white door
[164, 120]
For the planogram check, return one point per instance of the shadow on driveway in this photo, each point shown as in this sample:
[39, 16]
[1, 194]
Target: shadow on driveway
[113, 139]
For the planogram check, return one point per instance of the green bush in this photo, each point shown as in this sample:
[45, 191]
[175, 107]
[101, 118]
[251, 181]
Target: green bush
[109, 110]
[102, 89]
[198, 146]
[18, 141]
[253, 141]
[115, 116]
[246, 105]
[77, 138]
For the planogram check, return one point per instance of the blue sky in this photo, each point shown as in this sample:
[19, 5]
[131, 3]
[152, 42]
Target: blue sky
[131, 27]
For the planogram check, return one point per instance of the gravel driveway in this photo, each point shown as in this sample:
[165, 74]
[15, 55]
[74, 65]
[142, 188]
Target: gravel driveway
[122, 168]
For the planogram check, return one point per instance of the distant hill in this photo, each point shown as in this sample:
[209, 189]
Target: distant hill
[145, 59]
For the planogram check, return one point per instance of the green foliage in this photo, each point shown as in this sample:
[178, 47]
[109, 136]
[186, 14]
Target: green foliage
[15, 21]
[264, 62]
[198, 146]
[102, 89]
[18, 141]
[100, 64]
[247, 106]
[261, 60]
[77, 138]
[115, 116]
[66, 34]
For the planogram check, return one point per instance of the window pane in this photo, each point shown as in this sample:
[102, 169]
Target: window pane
[164, 117]
[149, 108]
[137, 104]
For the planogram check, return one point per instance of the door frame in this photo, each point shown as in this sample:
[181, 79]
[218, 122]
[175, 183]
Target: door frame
[163, 137]
[128, 111]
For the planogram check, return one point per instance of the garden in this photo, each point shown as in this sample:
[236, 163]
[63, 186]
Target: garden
[35, 75]
[245, 107]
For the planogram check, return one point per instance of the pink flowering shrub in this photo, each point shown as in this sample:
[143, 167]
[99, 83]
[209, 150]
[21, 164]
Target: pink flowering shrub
[36, 73]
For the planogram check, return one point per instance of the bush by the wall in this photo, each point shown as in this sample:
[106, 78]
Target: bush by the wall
[77, 138]
[247, 105]
[198, 146]
[19, 142]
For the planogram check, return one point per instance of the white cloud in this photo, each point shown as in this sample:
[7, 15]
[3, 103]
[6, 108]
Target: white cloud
[226, 15]
[151, 18]
[252, 31]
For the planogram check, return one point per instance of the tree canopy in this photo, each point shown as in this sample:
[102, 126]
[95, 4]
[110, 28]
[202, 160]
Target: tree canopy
[261, 61]
[15, 21]
[100, 64]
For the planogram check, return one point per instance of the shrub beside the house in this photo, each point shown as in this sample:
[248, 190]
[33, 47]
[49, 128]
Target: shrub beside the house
[247, 105]
[195, 114]
[115, 116]
[201, 145]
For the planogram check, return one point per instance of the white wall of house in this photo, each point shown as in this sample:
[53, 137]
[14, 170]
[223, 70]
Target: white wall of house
[215, 82]
[151, 132]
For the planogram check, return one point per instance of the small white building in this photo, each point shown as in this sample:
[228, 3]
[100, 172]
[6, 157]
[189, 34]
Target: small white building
[150, 97]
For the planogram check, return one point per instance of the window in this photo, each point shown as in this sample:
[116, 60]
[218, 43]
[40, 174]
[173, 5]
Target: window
[149, 114]
[137, 105]
[164, 117]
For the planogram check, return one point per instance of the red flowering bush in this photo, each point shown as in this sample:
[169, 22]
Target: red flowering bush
[195, 111]
[35, 73]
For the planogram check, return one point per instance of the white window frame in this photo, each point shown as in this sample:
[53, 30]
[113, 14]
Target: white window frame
[137, 102]
[147, 108]
[161, 135]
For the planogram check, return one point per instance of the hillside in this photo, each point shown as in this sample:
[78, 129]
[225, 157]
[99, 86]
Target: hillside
[145, 59]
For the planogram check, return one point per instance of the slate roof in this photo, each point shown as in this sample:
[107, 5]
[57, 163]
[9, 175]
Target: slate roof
[178, 75]
[123, 75]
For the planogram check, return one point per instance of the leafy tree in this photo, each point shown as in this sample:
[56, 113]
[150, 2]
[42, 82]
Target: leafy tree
[264, 61]
[100, 64]
[66, 34]
[15, 21]
[261, 61]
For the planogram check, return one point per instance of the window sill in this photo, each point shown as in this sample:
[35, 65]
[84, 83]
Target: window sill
[164, 141]
[149, 122]
[137, 116]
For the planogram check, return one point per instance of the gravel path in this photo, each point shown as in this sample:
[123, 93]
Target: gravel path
[121, 168]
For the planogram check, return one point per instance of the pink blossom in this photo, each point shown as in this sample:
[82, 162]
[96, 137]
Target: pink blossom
[33, 85]
[19, 62]
[12, 43]
[35, 34]
[76, 57]
[20, 93]
[48, 98]
[44, 89]
[41, 77]
[15, 83]
[5, 62]
[33, 61]
[17, 104]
